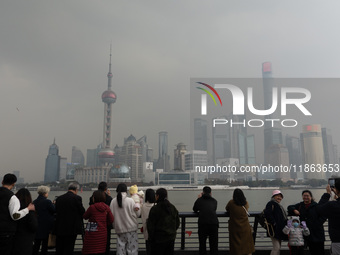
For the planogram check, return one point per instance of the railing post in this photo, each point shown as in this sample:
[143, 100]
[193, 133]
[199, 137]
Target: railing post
[256, 223]
[183, 233]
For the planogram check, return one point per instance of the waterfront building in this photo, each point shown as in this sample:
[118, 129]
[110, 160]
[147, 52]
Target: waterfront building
[77, 156]
[131, 155]
[278, 157]
[194, 161]
[179, 156]
[312, 150]
[63, 168]
[163, 161]
[233, 142]
[272, 135]
[293, 145]
[174, 177]
[200, 135]
[52, 164]
[92, 159]
[329, 149]
[88, 174]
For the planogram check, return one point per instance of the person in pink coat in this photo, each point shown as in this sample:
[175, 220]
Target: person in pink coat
[99, 216]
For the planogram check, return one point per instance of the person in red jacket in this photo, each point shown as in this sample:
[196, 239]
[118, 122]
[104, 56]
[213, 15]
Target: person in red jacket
[99, 216]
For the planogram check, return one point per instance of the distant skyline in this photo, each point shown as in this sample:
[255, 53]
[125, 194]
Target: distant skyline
[54, 60]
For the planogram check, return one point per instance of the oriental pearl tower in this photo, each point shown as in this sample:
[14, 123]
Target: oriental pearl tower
[106, 154]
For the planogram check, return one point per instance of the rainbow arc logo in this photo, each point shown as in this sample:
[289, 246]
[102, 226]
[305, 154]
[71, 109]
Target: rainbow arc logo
[204, 97]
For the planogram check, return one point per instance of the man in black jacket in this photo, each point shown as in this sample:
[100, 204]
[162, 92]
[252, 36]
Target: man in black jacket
[331, 210]
[206, 207]
[69, 220]
[9, 213]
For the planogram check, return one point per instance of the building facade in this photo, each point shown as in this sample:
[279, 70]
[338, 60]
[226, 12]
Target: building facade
[312, 150]
[52, 164]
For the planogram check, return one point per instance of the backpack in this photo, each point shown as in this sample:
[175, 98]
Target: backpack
[265, 224]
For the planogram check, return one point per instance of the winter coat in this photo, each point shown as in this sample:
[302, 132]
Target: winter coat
[45, 211]
[206, 207]
[331, 210]
[145, 210]
[313, 220]
[275, 216]
[296, 234]
[99, 216]
[240, 232]
[69, 210]
[24, 236]
[163, 224]
[125, 218]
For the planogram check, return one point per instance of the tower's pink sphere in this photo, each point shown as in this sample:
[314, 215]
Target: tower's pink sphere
[109, 97]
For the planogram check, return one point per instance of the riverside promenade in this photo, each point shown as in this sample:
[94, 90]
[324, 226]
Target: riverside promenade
[186, 242]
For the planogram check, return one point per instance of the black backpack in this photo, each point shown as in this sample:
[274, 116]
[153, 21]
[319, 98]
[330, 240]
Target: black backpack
[265, 224]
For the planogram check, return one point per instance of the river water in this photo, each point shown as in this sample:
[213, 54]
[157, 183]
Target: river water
[184, 199]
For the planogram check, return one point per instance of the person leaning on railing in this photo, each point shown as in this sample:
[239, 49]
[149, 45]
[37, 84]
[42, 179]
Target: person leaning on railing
[331, 210]
[208, 224]
[162, 225]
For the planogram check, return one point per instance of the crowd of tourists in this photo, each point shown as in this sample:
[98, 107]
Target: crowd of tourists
[28, 227]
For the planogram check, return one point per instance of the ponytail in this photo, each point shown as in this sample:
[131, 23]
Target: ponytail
[120, 188]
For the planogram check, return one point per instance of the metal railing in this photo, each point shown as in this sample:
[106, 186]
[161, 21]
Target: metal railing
[187, 234]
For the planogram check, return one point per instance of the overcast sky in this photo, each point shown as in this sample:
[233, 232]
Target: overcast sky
[54, 59]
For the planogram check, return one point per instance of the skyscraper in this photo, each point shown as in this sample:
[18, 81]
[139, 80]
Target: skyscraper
[329, 149]
[77, 156]
[163, 157]
[179, 156]
[131, 155]
[312, 150]
[293, 145]
[200, 134]
[52, 164]
[272, 136]
[106, 154]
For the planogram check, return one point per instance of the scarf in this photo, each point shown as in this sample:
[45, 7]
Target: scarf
[284, 213]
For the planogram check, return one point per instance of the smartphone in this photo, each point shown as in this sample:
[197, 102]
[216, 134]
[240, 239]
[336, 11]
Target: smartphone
[331, 182]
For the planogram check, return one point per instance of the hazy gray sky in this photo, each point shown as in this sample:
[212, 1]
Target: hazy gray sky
[54, 59]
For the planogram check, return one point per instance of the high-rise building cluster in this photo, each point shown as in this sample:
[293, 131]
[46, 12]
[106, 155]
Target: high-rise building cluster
[133, 161]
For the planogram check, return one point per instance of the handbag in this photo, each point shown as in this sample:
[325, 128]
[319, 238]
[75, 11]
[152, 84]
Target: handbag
[51, 241]
[251, 227]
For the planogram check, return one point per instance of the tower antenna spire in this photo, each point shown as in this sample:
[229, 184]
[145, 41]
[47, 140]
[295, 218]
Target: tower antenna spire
[109, 75]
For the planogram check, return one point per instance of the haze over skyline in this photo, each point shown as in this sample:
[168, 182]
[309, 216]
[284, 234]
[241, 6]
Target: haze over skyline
[54, 60]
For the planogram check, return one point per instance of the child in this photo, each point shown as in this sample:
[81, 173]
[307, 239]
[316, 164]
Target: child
[296, 233]
[136, 196]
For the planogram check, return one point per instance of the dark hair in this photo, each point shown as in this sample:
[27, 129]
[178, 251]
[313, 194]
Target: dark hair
[9, 179]
[120, 188]
[98, 196]
[102, 186]
[150, 196]
[206, 190]
[163, 199]
[309, 192]
[239, 197]
[24, 197]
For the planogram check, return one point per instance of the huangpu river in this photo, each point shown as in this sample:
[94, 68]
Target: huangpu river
[184, 199]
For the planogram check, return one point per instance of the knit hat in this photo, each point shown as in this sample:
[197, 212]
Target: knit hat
[277, 192]
[133, 189]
